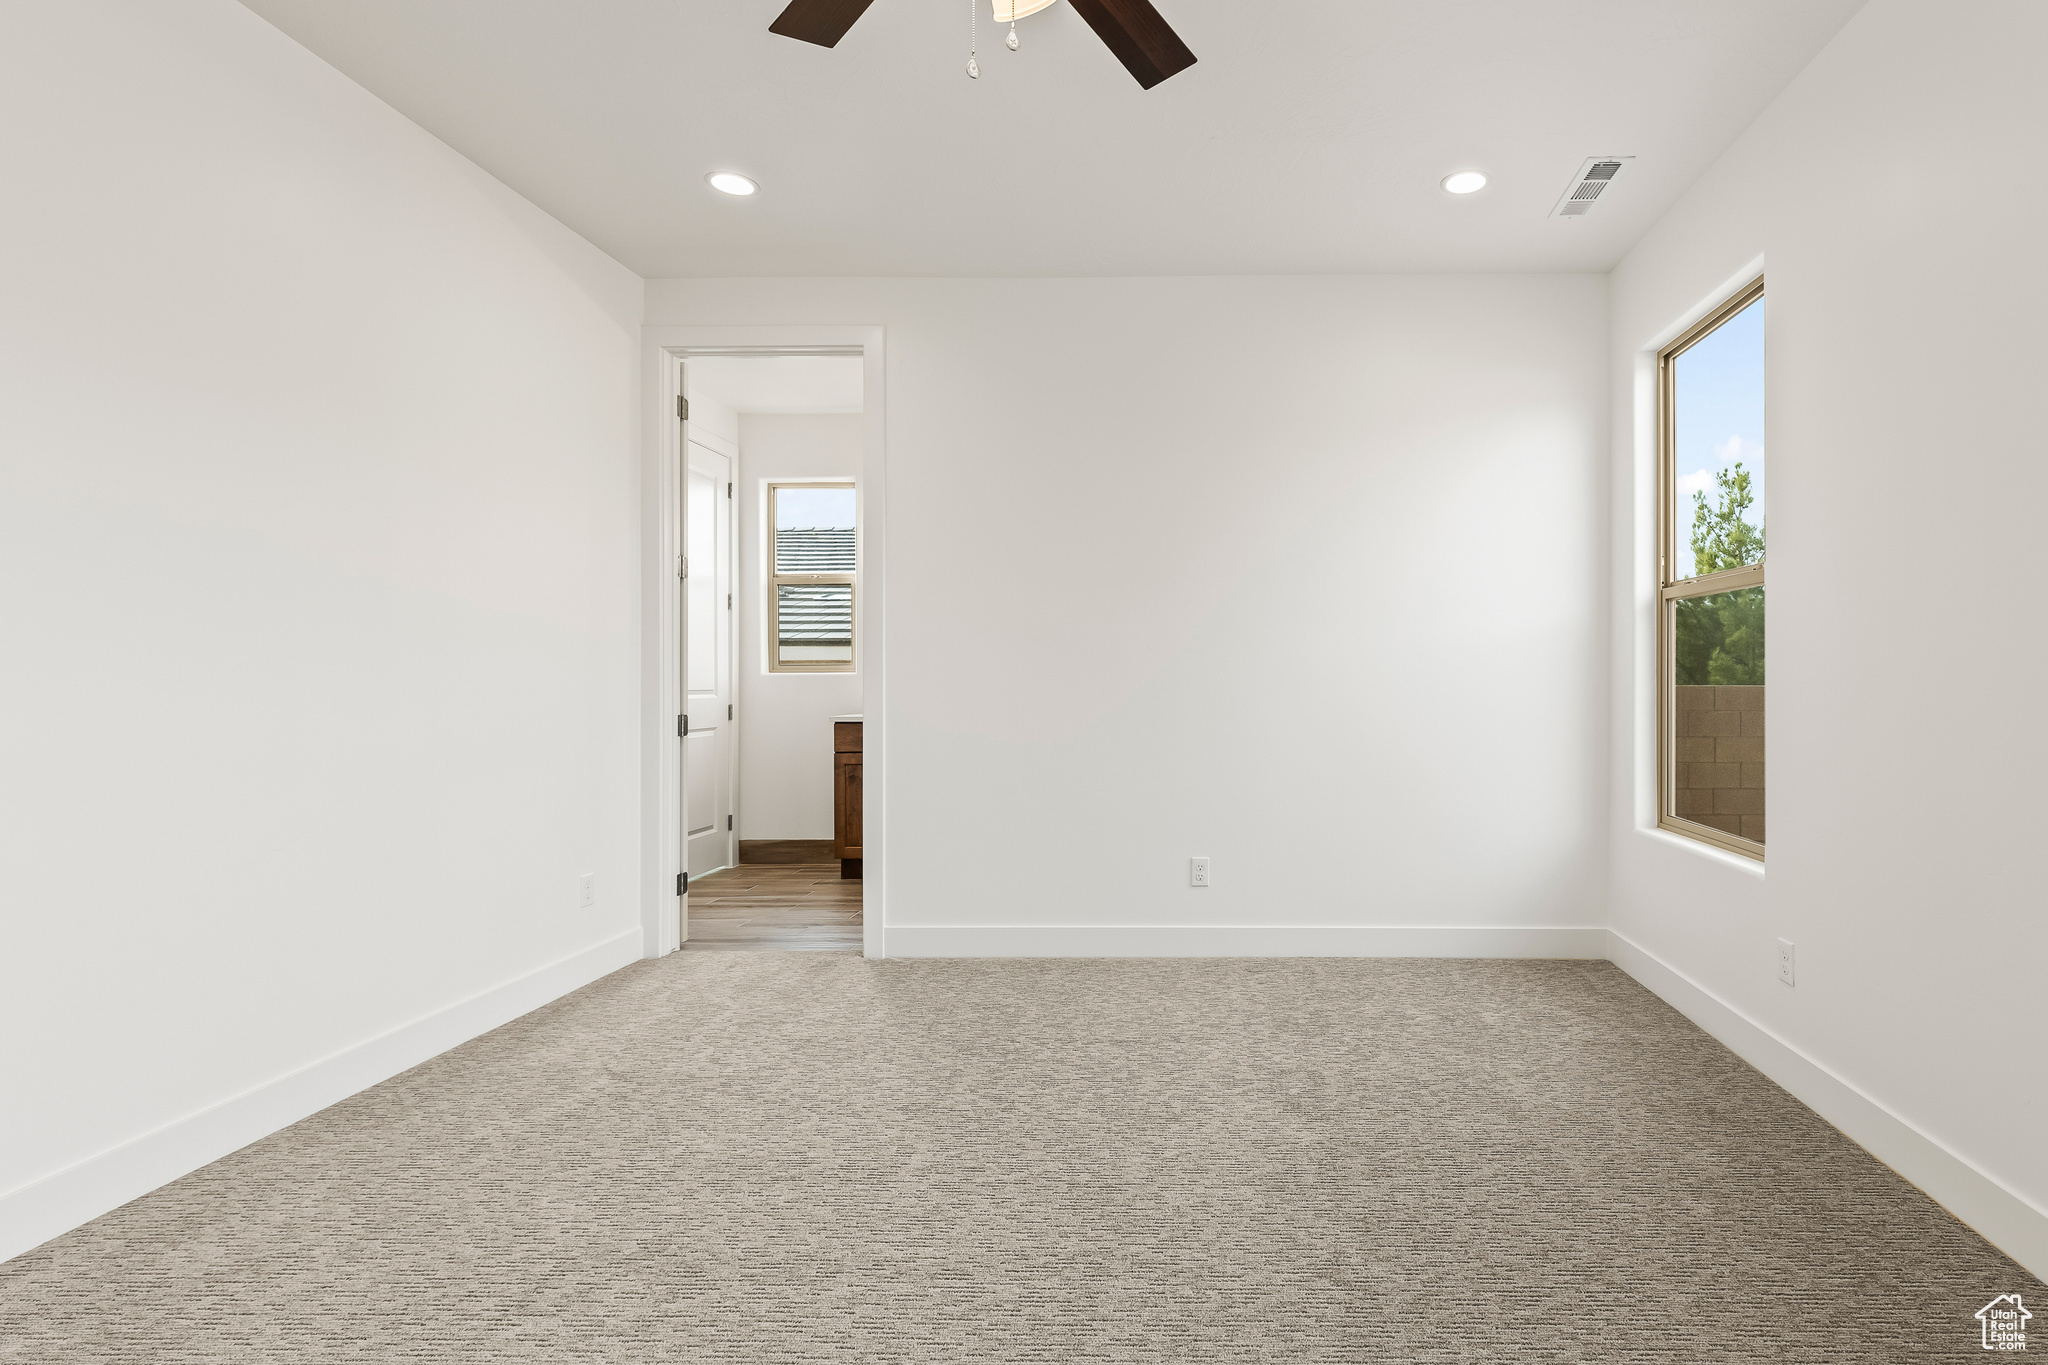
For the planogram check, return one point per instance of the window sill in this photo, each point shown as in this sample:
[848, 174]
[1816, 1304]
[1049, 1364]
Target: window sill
[1739, 862]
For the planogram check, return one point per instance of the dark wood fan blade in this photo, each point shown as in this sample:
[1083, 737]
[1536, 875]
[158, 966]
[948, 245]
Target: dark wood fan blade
[823, 22]
[1138, 36]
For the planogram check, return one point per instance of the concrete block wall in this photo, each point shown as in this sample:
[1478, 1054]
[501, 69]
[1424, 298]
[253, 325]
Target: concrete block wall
[1720, 777]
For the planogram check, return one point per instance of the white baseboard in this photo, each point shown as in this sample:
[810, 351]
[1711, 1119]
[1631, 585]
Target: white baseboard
[2001, 1216]
[1244, 940]
[34, 1213]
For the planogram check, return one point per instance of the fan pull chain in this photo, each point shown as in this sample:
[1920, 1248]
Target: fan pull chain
[1011, 41]
[973, 39]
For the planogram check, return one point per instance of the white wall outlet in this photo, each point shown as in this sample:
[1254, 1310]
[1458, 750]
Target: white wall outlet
[1787, 962]
[588, 898]
[1198, 872]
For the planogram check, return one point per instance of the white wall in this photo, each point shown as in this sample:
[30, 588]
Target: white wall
[786, 718]
[318, 587]
[712, 416]
[1906, 487]
[1298, 574]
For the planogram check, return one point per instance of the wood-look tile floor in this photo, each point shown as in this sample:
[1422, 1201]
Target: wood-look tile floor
[775, 908]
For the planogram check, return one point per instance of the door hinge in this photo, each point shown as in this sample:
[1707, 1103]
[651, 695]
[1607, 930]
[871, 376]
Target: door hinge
[682, 408]
[682, 566]
[682, 883]
[682, 727]
[728, 601]
[728, 490]
[728, 710]
[728, 822]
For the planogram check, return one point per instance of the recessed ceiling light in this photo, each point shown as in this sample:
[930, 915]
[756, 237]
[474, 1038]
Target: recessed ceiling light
[1464, 182]
[733, 184]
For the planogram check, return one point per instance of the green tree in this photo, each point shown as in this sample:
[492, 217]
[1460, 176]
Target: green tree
[1720, 639]
[1722, 537]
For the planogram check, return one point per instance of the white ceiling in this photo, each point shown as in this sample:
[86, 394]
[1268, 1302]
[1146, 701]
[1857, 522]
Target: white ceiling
[780, 384]
[1310, 137]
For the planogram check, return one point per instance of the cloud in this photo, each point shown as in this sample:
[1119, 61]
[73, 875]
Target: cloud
[1699, 481]
[1739, 448]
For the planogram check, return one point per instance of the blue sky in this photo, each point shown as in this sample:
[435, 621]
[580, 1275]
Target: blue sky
[1719, 408]
[813, 508]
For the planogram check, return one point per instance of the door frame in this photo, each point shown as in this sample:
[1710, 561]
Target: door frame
[663, 602]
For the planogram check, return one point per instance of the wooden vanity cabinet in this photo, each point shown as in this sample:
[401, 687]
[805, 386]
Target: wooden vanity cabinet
[846, 754]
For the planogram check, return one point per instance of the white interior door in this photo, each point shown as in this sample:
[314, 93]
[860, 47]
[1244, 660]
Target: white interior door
[708, 749]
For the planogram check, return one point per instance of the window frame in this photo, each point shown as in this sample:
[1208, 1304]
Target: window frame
[777, 580]
[1671, 591]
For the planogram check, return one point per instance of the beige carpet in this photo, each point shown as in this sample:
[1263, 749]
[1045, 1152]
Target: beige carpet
[804, 1157]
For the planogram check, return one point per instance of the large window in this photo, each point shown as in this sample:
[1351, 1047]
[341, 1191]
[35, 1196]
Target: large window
[1710, 578]
[812, 550]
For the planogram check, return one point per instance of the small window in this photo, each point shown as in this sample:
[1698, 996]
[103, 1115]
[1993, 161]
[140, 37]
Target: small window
[812, 552]
[1710, 578]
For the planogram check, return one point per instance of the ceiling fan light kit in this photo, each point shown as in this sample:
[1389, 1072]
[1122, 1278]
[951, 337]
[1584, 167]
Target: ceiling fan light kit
[1134, 32]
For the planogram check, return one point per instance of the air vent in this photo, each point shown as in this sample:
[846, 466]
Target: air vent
[1594, 182]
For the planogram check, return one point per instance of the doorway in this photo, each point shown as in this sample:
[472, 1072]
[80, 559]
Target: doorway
[774, 647]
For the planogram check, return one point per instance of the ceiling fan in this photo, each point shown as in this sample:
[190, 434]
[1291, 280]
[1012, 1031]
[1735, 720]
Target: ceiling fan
[1133, 30]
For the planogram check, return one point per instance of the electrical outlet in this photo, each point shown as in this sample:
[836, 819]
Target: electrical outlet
[1198, 872]
[588, 900]
[1787, 962]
